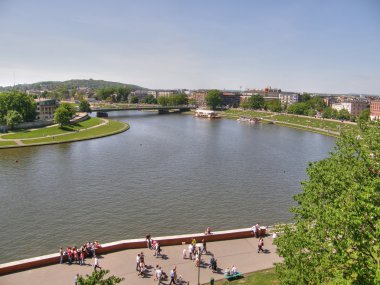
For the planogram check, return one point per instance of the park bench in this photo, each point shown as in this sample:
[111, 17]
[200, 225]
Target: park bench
[233, 276]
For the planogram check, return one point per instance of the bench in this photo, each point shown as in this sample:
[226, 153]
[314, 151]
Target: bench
[233, 276]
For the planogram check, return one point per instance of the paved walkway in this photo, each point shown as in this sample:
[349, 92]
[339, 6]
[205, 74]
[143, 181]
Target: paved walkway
[240, 252]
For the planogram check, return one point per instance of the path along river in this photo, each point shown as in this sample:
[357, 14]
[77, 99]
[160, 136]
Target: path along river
[169, 174]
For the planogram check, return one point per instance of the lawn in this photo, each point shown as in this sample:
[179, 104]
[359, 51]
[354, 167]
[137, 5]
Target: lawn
[7, 143]
[107, 129]
[266, 277]
[335, 126]
[52, 131]
[248, 113]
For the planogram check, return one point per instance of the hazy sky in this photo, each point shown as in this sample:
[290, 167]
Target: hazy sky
[300, 45]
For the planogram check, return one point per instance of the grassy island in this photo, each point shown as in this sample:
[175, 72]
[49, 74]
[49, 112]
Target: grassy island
[89, 129]
[324, 126]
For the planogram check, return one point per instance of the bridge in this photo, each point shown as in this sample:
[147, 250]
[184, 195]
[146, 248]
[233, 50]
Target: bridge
[160, 109]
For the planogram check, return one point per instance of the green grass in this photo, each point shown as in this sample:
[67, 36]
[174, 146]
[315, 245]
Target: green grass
[52, 131]
[266, 277]
[248, 113]
[7, 143]
[112, 127]
[303, 123]
[313, 122]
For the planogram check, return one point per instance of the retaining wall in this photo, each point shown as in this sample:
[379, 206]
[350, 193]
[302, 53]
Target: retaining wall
[49, 259]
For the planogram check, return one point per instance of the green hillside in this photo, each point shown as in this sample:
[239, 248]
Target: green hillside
[69, 84]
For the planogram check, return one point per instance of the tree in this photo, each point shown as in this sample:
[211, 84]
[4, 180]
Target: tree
[256, 102]
[69, 107]
[298, 109]
[213, 98]
[97, 278]
[336, 232]
[134, 99]
[13, 118]
[343, 114]
[364, 115]
[364, 118]
[84, 106]
[329, 113]
[305, 97]
[274, 106]
[149, 99]
[19, 102]
[62, 116]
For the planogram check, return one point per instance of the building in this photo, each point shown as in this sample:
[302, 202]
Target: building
[166, 92]
[46, 109]
[141, 94]
[288, 98]
[230, 98]
[375, 110]
[354, 107]
[199, 97]
[268, 93]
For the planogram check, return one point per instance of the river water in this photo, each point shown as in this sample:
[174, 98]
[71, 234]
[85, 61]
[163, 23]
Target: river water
[169, 174]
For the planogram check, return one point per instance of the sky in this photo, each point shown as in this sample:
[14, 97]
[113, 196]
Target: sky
[326, 46]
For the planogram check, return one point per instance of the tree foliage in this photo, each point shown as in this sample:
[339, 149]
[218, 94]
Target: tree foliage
[330, 113]
[173, 100]
[274, 106]
[134, 99]
[149, 99]
[213, 98]
[335, 237]
[98, 278]
[19, 102]
[62, 116]
[298, 109]
[84, 106]
[69, 107]
[13, 118]
[253, 102]
[113, 94]
[343, 114]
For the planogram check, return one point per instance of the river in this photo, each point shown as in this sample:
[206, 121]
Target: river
[168, 174]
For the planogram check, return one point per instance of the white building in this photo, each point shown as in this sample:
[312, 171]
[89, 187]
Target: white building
[354, 108]
[288, 98]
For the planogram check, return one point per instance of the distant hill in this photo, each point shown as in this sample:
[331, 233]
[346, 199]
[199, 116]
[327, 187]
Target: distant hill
[69, 84]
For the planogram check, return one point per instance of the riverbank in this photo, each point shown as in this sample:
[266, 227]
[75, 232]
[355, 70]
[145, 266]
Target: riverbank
[241, 252]
[85, 130]
[318, 125]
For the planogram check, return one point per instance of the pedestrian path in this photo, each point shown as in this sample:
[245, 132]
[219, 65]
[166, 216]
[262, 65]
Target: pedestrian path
[239, 252]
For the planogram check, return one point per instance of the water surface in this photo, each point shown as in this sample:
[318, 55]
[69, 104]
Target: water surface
[169, 174]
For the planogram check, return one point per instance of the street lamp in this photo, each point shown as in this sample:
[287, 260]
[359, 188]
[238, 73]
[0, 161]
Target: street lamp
[199, 267]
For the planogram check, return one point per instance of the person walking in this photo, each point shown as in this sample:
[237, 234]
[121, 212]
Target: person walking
[96, 263]
[76, 279]
[172, 277]
[138, 262]
[204, 249]
[260, 245]
[60, 255]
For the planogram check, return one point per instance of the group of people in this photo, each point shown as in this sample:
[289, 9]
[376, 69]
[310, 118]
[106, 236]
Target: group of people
[140, 264]
[159, 274]
[153, 245]
[195, 251]
[79, 254]
[232, 271]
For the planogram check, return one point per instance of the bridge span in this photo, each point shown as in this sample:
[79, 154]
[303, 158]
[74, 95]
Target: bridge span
[160, 109]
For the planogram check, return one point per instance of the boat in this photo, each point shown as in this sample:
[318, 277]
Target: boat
[248, 119]
[210, 114]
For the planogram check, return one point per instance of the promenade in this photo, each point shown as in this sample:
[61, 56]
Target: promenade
[239, 252]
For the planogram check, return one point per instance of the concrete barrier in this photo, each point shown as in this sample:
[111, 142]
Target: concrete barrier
[30, 263]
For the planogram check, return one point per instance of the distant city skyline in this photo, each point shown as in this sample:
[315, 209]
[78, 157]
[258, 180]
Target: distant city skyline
[306, 46]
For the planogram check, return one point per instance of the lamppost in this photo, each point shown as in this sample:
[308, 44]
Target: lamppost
[199, 267]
